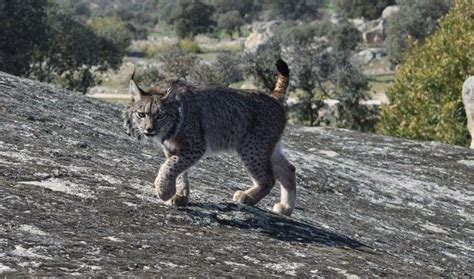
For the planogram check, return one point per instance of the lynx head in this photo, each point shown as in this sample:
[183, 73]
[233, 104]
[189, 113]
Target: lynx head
[152, 112]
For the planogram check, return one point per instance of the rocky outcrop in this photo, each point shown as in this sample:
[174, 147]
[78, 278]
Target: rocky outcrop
[373, 31]
[368, 55]
[390, 11]
[468, 100]
[76, 198]
[262, 32]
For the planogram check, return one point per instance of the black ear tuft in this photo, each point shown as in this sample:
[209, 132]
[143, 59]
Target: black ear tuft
[282, 67]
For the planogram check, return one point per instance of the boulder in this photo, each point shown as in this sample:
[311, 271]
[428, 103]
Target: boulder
[262, 32]
[336, 18]
[468, 100]
[77, 199]
[368, 55]
[374, 32]
[390, 11]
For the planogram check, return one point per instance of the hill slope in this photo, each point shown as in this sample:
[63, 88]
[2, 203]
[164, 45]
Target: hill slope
[76, 197]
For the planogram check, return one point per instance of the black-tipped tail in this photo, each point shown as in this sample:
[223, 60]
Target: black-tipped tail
[283, 80]
[282, 67]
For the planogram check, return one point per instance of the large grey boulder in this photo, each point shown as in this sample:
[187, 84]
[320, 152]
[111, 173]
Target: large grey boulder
[468, 100]
[390, 11]
[373, 31]
[76, 198]
[368, 55]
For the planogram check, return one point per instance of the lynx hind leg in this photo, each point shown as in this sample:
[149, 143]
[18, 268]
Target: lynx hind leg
[181, 198]
[259, 166]
[285, 174]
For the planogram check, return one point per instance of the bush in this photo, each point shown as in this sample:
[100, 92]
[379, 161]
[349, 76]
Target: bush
[295, 9]
[177, 62]
[192, 17]
[189, 45]
[425, 101]
[225, 71]
[417, 19]
[23, 29]
[114, 31]
[230, 22]
[370, 9]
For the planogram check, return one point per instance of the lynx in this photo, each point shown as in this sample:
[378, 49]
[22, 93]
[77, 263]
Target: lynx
[191, 119]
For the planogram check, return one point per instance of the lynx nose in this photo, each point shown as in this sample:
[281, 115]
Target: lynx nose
[149, 130]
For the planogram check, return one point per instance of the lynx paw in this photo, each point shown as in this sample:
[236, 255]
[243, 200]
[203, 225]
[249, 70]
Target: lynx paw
[283, 209]
[242, 197]
[178, 200]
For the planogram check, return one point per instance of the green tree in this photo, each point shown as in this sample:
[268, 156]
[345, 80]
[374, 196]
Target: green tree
[23, 29]
[370, 9]
[117, 35]
[425, 101]
[72, 52]
[192, 17]
[230, 22]
[295, 9]
[177, 62]
[247, 9]
[416, 19]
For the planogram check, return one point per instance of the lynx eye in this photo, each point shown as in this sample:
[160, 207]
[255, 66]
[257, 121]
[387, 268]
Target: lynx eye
[140, 114]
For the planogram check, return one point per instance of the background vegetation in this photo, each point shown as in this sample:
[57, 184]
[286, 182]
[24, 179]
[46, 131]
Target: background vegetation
[82, 44]
[425, 101]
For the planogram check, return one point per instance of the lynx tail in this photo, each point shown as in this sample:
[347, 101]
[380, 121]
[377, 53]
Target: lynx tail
[283, 80]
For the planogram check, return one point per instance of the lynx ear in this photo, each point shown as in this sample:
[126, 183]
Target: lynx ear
[135, 91]
[170, 95]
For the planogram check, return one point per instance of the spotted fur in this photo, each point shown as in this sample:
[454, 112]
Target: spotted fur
[191, 119]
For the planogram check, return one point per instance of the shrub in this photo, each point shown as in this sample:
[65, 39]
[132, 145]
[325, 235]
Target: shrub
[425, 101]
[114, 31]
[192, 17]
[417, 19]
[23, 29]
[189, 45]
[225, 71]
[230, 22]
[370, 9]
[295, 9]
[177, 62]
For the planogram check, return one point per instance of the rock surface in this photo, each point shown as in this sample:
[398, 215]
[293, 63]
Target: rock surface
[468, 101]
[368, 55]
[390, 11]
[373, 31]
[76, 198]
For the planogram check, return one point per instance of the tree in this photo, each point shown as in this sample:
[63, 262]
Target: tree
[230, 22]
[177, 62]
[369, 9]
[225, 71]
[72, 51]
[294, 10]
[416, 19]
[261, 66]
[117, 35]
[425, 101]
[191, 17]
[23, 29]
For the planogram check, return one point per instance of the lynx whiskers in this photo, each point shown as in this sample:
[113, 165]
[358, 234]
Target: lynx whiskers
[191, 119]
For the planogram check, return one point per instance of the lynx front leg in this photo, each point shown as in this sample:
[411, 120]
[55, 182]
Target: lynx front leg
[165, 182]
[181, 198]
